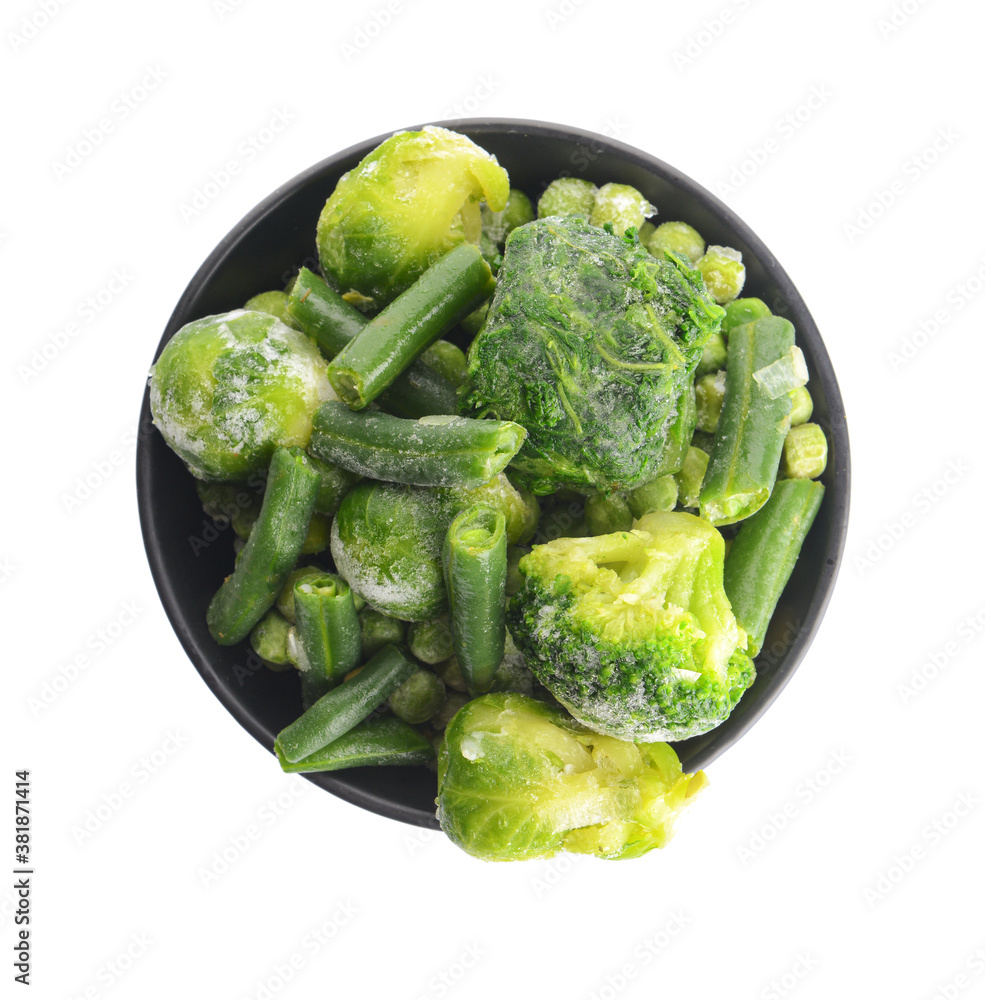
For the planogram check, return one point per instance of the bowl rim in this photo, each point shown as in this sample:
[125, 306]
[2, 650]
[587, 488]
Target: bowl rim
[821, 369]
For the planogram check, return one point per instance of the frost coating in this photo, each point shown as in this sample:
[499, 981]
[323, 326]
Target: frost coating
[230, 388]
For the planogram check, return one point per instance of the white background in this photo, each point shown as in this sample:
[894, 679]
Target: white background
[837, 851]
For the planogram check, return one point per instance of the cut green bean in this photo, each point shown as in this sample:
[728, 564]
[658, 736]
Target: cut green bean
[346, 705]
[607, 513]
[474, 559]
[752, 427]
[271, 550]
[432, 451]
[285, 598]
[740, 311]
[328, 625]
[313, 686]
[372, 742]
[764, 552]
[657, 494]
[418, 698]
[332, 323]
[805, 452]
[446, 292]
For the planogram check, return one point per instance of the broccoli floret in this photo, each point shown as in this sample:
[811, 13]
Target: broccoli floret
[591, 344]
[518, 779]
[632, 631]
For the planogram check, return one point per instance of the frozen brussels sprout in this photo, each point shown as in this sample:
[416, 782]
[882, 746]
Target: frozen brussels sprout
[408, 202]
[229, 389]
[518, 779]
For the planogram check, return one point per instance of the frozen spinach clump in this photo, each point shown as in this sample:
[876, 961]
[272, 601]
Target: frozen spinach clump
[591, 343]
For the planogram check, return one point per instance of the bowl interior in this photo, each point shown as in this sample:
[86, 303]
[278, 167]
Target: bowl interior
[190, 556]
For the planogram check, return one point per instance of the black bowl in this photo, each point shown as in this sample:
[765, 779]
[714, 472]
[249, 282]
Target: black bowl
[189, 557]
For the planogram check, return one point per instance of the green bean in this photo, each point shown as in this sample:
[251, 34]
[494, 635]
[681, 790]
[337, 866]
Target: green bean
[328, 625]
[285, 598]
[379, 630]
[418, 698]
[344, 706]
[431, 641]
[740, 311]
[605, 513]
[432, 451]
[445, 293]
[749, 439]
[371, 742]
[657, 494]
[474, 560]
[271, 550]
[764, 552]
[805, 452]
[313, 686]
[332, 323]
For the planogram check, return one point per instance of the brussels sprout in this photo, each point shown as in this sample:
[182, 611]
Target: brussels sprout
[229, 389]
[387, 539]
[386, 543]
[411, 200]
[518, 779]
